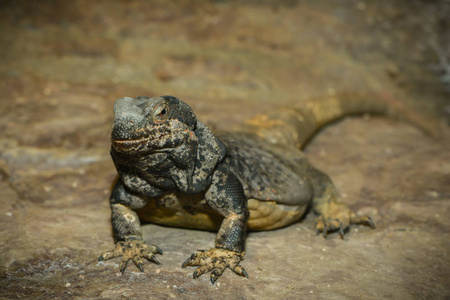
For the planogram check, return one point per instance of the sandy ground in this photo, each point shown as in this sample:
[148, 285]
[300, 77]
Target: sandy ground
[64, 63]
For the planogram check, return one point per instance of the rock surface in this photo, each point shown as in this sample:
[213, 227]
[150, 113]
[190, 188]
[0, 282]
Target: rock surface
[64, 63]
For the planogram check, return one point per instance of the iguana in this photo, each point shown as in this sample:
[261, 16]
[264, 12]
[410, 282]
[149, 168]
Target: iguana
[173, 170]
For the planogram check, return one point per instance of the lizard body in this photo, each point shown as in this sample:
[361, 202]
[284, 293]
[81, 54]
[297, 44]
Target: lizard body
[174, 171]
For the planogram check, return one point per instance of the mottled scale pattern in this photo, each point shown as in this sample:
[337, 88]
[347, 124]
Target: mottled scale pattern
[267, 172]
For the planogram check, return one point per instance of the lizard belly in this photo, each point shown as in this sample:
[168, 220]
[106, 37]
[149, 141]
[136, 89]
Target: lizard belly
[187, 211]
[195, 213]
[266, 215]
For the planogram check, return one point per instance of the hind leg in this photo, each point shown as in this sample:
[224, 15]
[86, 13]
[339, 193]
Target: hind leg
[333, 215]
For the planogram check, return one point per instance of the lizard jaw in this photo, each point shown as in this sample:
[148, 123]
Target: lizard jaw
[130, 146]
[159, 140]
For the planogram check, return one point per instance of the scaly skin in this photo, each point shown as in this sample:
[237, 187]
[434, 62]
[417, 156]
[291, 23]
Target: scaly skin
[174, 171]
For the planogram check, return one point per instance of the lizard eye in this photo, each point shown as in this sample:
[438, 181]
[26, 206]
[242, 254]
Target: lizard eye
[161, 113]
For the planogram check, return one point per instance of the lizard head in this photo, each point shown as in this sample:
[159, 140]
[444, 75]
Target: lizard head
[145, 124]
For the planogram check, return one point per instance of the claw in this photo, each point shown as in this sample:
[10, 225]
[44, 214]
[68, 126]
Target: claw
[185, 264]
[239, 270]
[158, 250]
[214, 277]
[341, 230]
[216, 273]
[155, 260]
[370, 222]
[196, 275]
[123, 266]
[138, 262]
[244, 273]
[141, 266]
[107, 255]
[191, 261]
[188, 261]
[151, 258]
[325, 231]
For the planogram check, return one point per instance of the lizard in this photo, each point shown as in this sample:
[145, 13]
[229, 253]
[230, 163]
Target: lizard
[173, 170]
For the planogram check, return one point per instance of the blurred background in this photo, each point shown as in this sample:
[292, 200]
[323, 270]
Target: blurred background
[63, 63]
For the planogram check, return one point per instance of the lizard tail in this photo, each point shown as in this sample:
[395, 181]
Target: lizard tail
[295, 125]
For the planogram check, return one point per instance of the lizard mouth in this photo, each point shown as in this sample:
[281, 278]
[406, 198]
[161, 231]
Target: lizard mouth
[155, 141]
[153, 137]
[124, 143]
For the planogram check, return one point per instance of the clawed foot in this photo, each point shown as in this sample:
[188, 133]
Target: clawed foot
[133, 250]
[338, 218]
[215, 260]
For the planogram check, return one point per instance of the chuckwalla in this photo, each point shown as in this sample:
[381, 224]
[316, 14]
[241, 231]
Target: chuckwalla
[174, 171]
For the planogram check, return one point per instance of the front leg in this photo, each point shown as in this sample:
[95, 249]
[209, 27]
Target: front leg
[127, 231]
[226, 196]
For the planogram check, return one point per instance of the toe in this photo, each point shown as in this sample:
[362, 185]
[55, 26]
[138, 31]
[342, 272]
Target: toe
[364, 220]
[156, 250]
[236, 268]
[194, 260]
[123, 265]
[138, 262]
[151, 258]
[202, 270]
[216, 273]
